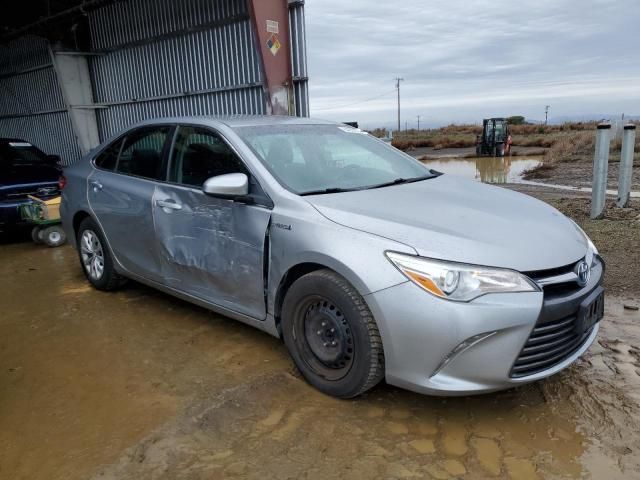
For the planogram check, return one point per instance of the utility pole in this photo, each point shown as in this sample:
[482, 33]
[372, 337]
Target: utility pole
[398, 80]
[418, 122]
[546, 113]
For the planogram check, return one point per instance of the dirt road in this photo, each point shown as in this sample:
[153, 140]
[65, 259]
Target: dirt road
[138, 385]
[579, 174]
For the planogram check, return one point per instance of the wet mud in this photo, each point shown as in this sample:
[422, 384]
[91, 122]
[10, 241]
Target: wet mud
[139, 385]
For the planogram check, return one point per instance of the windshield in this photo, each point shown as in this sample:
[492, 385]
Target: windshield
[21, 153]
[313, 158]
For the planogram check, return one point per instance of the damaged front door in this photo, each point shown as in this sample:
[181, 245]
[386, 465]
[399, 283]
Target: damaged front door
[211, 248]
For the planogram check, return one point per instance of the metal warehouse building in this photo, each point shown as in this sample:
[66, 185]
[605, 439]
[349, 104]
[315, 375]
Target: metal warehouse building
[74, 73]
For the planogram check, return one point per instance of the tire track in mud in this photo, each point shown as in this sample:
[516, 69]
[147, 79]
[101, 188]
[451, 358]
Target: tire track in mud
[602, 391]
[276, 426]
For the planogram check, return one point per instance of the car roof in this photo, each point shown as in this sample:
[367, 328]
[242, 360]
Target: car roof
[239, 120]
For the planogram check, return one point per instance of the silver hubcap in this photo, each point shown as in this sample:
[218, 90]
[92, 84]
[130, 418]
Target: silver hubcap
[92, 254]
[54, 237]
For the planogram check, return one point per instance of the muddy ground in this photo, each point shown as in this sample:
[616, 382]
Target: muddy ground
[138, 385]
[579, 173]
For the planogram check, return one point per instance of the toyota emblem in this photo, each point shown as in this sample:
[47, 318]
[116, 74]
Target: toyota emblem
[584, 272]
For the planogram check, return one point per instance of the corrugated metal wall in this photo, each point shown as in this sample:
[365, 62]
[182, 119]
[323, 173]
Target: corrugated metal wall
[149, 59]
[200, 59]
[32, 107]
[299, 57]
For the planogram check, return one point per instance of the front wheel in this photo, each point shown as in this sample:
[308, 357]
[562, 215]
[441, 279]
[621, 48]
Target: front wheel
[331, 335]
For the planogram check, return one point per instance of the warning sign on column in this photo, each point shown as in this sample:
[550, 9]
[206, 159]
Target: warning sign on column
[273, 44]
[272, 26]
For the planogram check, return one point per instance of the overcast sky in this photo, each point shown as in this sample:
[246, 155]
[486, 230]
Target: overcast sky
[463, 60]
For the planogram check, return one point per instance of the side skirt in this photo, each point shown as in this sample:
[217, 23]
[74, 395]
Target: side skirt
[267, 325]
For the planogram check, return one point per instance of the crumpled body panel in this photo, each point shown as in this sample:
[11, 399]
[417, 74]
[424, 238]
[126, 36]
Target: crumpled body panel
[212, 248]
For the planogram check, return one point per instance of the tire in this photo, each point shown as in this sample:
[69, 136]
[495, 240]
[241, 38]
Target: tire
[54, 236]
[331, 335]
[93, 253]
[36, 235]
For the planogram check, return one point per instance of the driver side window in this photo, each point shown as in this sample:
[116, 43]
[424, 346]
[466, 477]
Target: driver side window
[200, 154]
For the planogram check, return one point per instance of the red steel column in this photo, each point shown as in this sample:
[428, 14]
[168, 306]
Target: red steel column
[271, 24]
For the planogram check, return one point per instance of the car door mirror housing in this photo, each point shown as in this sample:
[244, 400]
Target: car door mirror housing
[231, 185]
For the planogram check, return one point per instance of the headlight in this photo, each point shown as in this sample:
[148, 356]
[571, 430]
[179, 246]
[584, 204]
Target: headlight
[458, 281]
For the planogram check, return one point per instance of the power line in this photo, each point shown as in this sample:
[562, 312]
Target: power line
[358, 102]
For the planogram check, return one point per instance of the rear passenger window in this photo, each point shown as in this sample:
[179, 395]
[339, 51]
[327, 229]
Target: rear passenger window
[141, 153]
[108, 158]
[200, 154]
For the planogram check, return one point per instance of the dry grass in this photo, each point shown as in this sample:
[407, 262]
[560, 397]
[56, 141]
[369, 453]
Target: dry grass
[565, 138]
[568, 147]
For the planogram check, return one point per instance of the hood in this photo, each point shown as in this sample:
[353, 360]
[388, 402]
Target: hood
[460, 220]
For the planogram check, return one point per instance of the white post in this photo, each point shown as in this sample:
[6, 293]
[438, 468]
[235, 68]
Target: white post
[626, 165]
[600, 169]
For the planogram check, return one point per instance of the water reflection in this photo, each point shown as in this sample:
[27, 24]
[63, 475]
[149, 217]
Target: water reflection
[486, 169]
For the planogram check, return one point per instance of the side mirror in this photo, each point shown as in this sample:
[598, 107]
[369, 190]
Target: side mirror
[53, 159]
[230, 185]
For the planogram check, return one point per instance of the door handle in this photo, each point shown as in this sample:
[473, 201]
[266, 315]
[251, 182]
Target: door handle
[170, 204]
[96, 185]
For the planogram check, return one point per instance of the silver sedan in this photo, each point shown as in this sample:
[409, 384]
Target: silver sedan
[368, 264]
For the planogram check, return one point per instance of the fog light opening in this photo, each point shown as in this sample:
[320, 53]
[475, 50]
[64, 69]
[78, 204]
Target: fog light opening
[461, 347]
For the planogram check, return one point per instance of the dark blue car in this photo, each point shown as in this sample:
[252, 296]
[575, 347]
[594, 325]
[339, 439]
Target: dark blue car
[24, 170]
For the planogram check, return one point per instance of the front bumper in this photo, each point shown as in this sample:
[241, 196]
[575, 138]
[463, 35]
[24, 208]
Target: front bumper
[424, 336]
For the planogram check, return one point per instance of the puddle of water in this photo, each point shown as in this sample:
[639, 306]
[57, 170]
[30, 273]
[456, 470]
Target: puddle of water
[485, 169]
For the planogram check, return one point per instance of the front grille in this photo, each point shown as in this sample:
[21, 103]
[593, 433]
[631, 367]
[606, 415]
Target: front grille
[556, 289]
[550, 272]
[549, 344]
[555, 337]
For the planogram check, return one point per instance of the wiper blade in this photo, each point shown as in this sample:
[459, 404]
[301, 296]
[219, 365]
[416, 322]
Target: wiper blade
[327, 190]
[399, 181]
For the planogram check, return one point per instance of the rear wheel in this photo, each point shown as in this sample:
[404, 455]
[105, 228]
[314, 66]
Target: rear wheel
[331, 335]
[95, 258]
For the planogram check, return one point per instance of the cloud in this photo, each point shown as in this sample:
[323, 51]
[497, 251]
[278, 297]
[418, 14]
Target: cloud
[464, 60]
